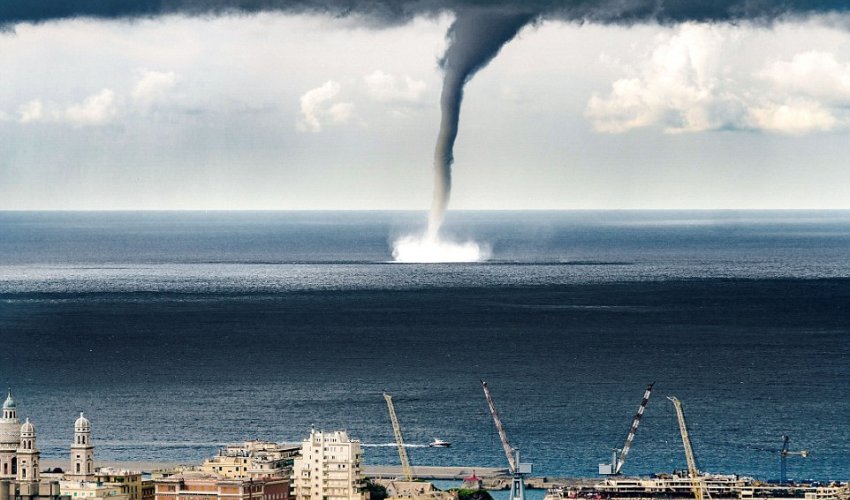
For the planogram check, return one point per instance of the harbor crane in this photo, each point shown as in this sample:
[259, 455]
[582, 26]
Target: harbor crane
[617, 462]
[783, 456]
[402, 452]
[696, 481]
[517, 469]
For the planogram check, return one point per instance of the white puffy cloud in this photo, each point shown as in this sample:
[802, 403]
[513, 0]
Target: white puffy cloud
[796, 117]
[341, 112]
[32, 111]
[311, 105]
[153, 85]
[681, 86]
[97, 109]
[691, 82]
[318, 106]
[812, 73]
[385, 87]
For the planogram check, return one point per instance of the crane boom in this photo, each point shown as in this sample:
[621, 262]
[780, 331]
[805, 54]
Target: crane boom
[783, 454]
[633, 429]
[517, 469]
[402, 453]
[509, 452]
[693, 472]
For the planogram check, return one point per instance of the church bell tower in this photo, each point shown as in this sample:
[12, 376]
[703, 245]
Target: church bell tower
[28, 455]
[82, 451]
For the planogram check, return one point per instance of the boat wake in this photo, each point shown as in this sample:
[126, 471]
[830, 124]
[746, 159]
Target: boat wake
[392, 445]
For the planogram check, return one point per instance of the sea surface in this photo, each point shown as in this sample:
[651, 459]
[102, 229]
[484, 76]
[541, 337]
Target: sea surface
[177, 332]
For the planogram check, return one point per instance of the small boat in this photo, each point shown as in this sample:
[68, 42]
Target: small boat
[439, 443]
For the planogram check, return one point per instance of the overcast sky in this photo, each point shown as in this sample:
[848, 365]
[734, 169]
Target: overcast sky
[283, 112]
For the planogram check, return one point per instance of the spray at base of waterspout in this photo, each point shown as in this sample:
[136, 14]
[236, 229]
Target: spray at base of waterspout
[427, 249]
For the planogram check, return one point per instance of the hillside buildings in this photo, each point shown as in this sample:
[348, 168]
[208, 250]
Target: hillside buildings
[253, 470]
[128, 482]
[74, 489]
[328, 468]
[198, 485]
[83, 480]
[22, 479]
[252, 460]
[19, 459]
[415, 490]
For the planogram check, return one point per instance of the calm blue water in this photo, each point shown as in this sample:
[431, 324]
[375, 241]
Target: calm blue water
[177, 332]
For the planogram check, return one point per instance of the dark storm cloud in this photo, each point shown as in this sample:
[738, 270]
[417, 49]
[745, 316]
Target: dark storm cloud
[396, 11]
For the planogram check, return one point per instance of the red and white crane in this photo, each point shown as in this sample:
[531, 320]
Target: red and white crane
[617, 461]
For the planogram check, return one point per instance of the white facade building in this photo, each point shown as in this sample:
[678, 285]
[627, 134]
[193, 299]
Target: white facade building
[328, 468]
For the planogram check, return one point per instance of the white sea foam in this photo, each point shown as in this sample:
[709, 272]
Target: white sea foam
[424, 248]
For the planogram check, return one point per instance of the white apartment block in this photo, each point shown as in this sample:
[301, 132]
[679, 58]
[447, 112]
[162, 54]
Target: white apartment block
[328, 468]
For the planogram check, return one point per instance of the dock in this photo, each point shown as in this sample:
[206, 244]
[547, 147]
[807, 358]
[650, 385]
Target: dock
[433, 472]
[493, 478]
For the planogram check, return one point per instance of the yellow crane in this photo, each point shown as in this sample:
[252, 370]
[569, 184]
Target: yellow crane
[693, 472]
[402, 452]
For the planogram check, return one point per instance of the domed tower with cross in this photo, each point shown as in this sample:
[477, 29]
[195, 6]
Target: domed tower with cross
[28, 454]
[82, 451]
[10, 438]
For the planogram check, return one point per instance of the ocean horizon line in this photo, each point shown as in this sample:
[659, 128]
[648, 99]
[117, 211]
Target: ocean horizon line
[423, 210]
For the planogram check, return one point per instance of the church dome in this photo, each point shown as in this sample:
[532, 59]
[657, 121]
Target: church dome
[10, 426]
[28, 430]
[82, 424]
[10, 402]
